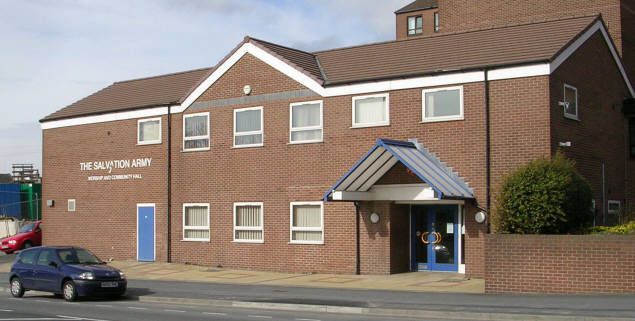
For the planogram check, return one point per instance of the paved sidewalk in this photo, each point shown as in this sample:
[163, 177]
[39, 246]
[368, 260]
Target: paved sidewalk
[415, 281]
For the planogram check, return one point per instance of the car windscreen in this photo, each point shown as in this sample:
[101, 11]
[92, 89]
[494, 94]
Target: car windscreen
[78, 256]
[26, 228]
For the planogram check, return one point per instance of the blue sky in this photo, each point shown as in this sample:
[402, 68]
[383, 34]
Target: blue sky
[56, 52]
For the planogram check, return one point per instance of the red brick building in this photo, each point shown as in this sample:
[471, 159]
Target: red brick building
[370, 159]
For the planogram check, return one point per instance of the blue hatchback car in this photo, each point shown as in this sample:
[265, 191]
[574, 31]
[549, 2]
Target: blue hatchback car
[68, 271]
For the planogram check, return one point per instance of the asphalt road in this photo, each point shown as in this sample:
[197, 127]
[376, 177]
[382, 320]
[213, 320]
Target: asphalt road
[45, 307]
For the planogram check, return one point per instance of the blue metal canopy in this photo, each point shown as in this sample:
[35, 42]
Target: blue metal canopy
[423, 163]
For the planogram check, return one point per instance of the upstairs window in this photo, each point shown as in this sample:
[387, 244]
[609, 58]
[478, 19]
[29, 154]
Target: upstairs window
[571, 102]
[248, 127]
[71, 205]
[306, 122]
[196, 132]
[370, 111]
[149, 131]
[415, 25]
[441, 104]
[614, 207]
[436, 22]
[248, 222]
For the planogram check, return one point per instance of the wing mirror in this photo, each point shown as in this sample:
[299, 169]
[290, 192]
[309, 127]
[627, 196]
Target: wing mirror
[53, 264]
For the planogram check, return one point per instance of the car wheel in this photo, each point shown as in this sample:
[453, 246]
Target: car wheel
[69, 291]
[17, 290]
[27, 245]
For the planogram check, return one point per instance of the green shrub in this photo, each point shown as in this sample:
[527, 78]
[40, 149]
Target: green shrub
[547, 196]
[626, 228]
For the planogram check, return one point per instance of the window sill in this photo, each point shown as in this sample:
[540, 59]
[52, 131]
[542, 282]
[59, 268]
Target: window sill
[370, 125]
[247, 146]
[200, 241]
[306, 243]
[306, 142]
[572, 117]
[436, 120]
[195, 150]
[247, 241]
[149, 143]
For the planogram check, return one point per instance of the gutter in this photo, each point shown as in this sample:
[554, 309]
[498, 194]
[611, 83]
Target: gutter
[169, 186]
[488, 167]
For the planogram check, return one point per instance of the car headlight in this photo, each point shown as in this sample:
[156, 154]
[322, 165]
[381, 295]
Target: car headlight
[12, 242]
[86, 276]
[122, 275]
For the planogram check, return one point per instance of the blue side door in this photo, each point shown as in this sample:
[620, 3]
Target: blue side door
[145, 232]
[47, 276]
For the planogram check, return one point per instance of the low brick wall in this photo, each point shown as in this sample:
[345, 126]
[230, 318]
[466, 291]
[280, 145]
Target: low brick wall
[571, 264]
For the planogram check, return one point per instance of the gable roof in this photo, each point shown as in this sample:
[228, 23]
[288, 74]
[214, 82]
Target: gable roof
[134, 94]
[333, 72]
[419, 5]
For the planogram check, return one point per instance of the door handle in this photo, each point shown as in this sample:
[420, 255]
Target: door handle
[424, 238]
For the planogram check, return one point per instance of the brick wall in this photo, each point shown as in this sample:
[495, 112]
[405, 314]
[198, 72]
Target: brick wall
[567, 264]
[599, 136]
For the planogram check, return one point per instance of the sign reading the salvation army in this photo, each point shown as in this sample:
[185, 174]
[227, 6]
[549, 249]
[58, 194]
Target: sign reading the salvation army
[109, 165]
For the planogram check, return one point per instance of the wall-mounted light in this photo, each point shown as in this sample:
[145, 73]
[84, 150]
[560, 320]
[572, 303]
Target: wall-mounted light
[50, 203]
[247, 89]
[564, 144]
[374, 218]
[480, 217]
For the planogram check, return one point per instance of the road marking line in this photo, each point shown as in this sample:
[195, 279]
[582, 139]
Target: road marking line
[214, 313]
[137, 308]
[79, 318]
[259, 316]
[308, 320]
[168, 310]
[45, 301]
[103, 305]
[3, 310]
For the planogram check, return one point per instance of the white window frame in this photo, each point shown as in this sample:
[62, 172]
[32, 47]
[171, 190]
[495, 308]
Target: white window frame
[425, 119]
[564, 95]
[250, 228]
[149, 142]
[261, 131]
[608, 207]
[305, 229]
[198, 228]
[384, 123]
[307, 128]
[68, 205]
[209, 142]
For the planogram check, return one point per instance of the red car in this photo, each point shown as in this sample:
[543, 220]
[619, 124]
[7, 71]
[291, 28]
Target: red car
[29, 235]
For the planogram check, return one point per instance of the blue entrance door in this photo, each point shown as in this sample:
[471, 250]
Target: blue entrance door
[434, 238]
[145, 232]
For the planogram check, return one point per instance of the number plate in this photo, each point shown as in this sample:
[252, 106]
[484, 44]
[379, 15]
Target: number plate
[5, 246]
[109, 284]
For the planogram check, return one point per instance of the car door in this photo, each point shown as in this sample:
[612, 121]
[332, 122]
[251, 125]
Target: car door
[47, 274]
[24, 267]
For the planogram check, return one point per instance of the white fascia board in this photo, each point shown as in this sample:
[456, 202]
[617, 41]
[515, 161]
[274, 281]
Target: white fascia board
[427, 81]
[562, 57]
[142, 113]
[397, 192]
[518, 72]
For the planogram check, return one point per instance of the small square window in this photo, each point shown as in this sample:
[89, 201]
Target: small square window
[195, 222]
[571, 102]
[71, 205]
[307, 226]
[306, 122]
[442, 104]
[149, 131]
[196, 132]
[248, 124]
[614, 207]
[248, 223]
[415, 25]
[371, 111]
